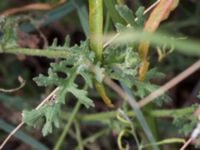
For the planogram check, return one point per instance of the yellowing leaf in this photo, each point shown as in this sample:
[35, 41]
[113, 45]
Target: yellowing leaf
[101, 90]
[160, 13]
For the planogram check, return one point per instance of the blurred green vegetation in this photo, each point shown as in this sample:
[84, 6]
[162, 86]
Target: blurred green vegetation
[95, 128]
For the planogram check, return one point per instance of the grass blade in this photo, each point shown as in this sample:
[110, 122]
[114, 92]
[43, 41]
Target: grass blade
[53, 15]
[188, 46]
[131, 100]
[22, 136]
[83, 16]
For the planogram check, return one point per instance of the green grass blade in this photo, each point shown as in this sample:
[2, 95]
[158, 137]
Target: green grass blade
[53, 15]
[96, 27]
[14, 102]
[139, 115]
[186, 46]
[83, 16]
[167, 141]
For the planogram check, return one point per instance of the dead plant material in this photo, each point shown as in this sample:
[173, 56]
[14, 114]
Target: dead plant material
[31, 7]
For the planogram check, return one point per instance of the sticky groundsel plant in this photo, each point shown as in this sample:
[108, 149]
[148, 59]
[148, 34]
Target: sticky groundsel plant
[93, 61]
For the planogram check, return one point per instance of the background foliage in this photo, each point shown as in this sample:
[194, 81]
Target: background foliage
[76, 117]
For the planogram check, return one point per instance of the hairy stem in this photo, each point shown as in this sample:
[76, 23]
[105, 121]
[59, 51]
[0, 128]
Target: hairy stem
[37, 52]
[96, 27]
[96, 43]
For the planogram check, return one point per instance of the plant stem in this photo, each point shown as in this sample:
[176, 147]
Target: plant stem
[37, 52]
[102, 92]
[103, 116]
[96, 43]
[151, 121]
[66, 129]
[94, 137]
[96, 27]
[78, 135]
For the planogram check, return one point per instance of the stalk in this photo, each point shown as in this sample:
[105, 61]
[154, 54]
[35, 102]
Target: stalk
[96, 27]
[67, 127]
[96, 43]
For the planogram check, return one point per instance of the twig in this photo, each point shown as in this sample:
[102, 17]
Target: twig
[22, 123]
[133, 103]
[186, 144]
[10, 135]
[22, 84]
[193, 136]
[47, 98]
[194, 93]
[34, 6]
[161, 91]
[170, 84]
[108, 81]
[196, 114]
[45, 45]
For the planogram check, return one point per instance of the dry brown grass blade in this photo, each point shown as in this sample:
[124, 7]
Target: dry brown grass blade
[10, 135]
[159, 13]
[31, 7]
[22, 84]
[170, 84]
[123, 95]
[193, 68]
[22, 123]
[186, 144]
[196, 114]
[190, 70]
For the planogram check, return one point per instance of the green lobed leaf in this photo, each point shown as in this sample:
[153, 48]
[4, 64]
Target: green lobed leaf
[126, 14]
[8, 32]
[51, 114]
[140, 17]
[120, 27]
[121, 63]
[63, 74]
[81, 95]
[48, 113]
[186, 122]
